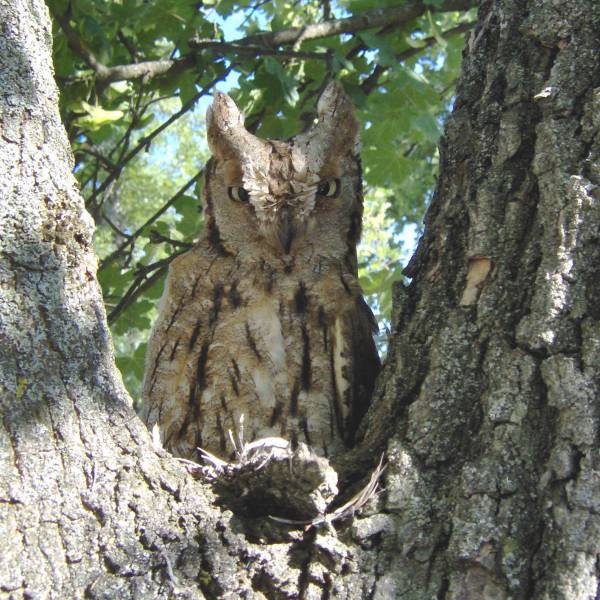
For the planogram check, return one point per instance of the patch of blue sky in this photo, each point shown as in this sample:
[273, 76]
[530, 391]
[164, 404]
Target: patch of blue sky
[162, 156]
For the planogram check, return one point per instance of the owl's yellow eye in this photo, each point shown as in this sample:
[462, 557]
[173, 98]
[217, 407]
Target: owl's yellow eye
[237, 193]
[329, 189]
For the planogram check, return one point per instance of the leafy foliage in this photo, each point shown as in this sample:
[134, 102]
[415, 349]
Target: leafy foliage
[135, 78]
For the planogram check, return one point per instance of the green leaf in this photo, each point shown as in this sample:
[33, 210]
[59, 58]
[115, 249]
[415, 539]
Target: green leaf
[135, 317]
[414, 42]
[386, 55]
[96, 116]
[156, 291]
[187, 89]
[436, 30]
[161, 227]
[286, 81]
[189, 224]
[114, 280]
[429, 126]
[145, 121]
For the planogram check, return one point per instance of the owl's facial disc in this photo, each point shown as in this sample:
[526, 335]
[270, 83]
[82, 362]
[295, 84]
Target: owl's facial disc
[287, 226]
[281, 221]
[279, 196]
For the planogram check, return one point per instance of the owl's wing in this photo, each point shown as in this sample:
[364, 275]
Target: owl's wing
[365, 360]
[180, 335]
[356, 365]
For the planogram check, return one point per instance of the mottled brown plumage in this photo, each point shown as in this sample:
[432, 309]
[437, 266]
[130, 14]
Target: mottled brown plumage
[264, 317]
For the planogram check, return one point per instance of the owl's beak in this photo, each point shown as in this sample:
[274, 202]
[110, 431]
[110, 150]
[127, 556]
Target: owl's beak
[286, 229]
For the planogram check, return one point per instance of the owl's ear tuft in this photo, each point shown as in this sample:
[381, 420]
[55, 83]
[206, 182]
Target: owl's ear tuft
[227, 136]
[337, 126]
[223, 113]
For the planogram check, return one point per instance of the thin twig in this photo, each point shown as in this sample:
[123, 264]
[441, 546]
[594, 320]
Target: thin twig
[145, 141]
[158, 238]
[141, 283]
[114, 227]
[128, 45]
[229, 47]
[87, 149]
[133, 237]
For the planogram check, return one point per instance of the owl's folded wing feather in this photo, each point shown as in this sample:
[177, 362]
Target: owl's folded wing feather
[366, 362]
[180, 334]
[356, 365]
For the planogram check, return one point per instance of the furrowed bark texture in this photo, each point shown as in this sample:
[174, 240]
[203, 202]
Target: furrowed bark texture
[488, 407]
[86, 506]
[492, 381]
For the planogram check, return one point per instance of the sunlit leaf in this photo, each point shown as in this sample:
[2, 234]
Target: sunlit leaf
[96, 116]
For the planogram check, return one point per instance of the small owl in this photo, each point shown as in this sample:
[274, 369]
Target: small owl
[263, 321]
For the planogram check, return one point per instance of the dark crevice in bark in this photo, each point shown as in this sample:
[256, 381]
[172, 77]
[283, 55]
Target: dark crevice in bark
[304, 555]
[262, 582]
[438, 559]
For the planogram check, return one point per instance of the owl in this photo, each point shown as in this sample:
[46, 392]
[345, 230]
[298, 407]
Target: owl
[263, 321]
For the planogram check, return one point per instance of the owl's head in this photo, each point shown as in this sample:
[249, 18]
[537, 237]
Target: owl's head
[285, 198]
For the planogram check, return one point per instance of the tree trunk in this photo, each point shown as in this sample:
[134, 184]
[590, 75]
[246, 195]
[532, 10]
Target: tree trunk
[492, 380]
[488, 405]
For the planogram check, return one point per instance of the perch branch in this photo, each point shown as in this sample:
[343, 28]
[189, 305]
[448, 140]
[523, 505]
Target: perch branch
[262, 43]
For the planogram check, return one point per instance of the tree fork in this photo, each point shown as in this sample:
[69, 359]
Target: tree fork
[488, 406]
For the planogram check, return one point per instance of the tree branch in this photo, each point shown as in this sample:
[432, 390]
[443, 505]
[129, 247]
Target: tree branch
[371, 82]
[253, 50]
[263, 43]
[381, 17]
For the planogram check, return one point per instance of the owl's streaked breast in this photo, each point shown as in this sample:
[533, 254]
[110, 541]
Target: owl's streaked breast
[268, 346]
[263, 321]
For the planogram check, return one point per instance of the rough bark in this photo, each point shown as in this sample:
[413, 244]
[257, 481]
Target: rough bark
[488, 407]
[494, 481]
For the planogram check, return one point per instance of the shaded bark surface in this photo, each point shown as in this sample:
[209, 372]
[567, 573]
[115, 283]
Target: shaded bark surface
[487, 409]
[493, 375]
